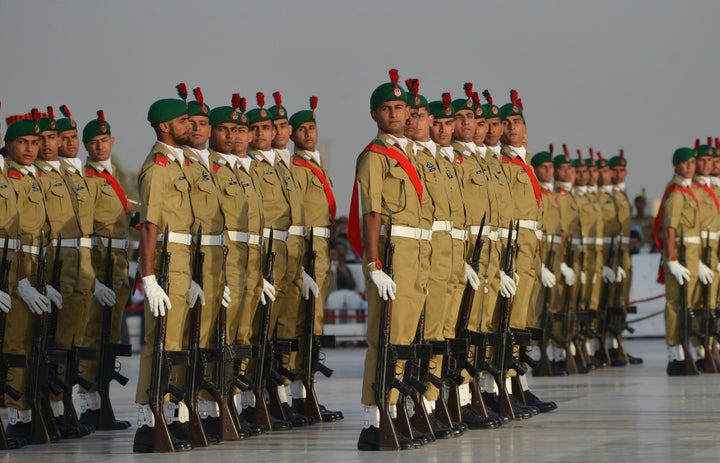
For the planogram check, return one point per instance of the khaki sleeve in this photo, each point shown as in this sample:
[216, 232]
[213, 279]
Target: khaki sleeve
[672, 211]
[152, 182]
[370, 174]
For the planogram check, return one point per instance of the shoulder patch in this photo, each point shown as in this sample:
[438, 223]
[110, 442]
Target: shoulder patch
[216, 167]
[187, 161]
[14, 173]
[161, 159]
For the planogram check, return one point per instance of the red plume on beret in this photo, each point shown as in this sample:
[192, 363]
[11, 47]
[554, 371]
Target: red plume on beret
[622, 152]
[552, 148]
[446, 99]
[0, 104]
[65, 111]
[710, 142]
[566, 151]
[488, 97]
[476, 99]
[394, 76]
[514, 97]
[198, 96]
[600, 158]
[51, 113]
[409, 84]
[416, 86]
[35, 114]
[592, 153]
[260, 98]
[101, 116]
[717, 143]
[182, 90]
[313, 102]
[579, 153]
[468, 89]
[697, 144]
[235, 101]
[278, 98]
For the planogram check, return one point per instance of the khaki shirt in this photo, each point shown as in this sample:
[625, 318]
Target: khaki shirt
[204, 195]
[164, 192]
[292, 190]
[31, 203]
[315, 201]
[611, 224]
[110, 217]
[475, 183]
[454, 192]
[86, 192]
[435, 188]
[624, 211]
[385, 187]
[569, 213]
[523, 193]
[709, 213]
[9, 217]
[60, 202]
[550, 206]
[588, 217]
[232, 194]
[499, 191]
[680, 211]
[276, 205]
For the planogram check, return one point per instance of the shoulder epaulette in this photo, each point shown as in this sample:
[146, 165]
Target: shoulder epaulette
[187, 161]
[252, 157]
[380, 142]
[161, 159]
[14, 173]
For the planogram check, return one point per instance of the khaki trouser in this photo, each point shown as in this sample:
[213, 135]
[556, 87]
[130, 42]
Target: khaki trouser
[176, 318]
[595, 281]
[19, 326]
[699, 299]
[93, 328]
[536, 299]
[237, 273]
[405, 311]
[280, 269]
[673, 292]
[526, 271]
[287, 304]
[490, 319]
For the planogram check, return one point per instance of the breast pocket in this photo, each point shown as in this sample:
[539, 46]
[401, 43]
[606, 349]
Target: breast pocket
[395, 189]
[269, 185]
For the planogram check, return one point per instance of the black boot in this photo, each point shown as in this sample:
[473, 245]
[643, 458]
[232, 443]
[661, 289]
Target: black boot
[20, 434]
[440, 430]
[297, 419]
[543, 406]
[92, 418]
[145, 441]
[676, 368]
[474, 420]
[370, 440]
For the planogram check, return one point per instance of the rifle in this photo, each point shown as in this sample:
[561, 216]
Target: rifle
[619, 312]
[548, 319]
[56, 384]
[311, 357]
[505, 348]
[581, 317]
[196, 370]
[108, 351]
[570, 365]
[7, 360]
[709, 365]
[605, 312]
[162, 361]
[686, 314]
[264, 346]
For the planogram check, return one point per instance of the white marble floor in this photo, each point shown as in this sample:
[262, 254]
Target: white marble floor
[612, 415]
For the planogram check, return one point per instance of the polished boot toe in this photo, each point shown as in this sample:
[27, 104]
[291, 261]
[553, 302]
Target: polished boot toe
[440, 430]
[144, 441]
[615, 359]
[634, 360]
[474, 420]
[19, 433]
[370, 440]
[676, 368]
[295, 418]
[331, 415]
[92, 418]
[542, 405]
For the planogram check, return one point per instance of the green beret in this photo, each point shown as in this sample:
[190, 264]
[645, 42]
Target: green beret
[46, 123]
[616, 161]
[510, 109]
[682, 154]
[463, 103]
[387, 92]
[166, 110]
[278, 112]
[490, 111]
[21, 128]
[196, 109]
[416, 101]
[223, 114]
[65, 124]
[258, 115]
[705, 150]
[541, 158]
[559, 160]
[94, 128]
[576, 162]
[589, 162]
[300, 117]
[439, 111]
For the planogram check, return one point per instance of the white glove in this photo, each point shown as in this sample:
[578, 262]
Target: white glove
[54, 296]
[471, 277]
[583, 277]
[268, 292]
[620, 274]
[508, 288]
[681, 273]
[568, 274]
[226, 297]
[705, 275]
[608, 274]
[385, 285]
[547, 277]
[105, 295]
[309, 286]
[196, 292]
[5, 302]
[157, 299]
[36, 302]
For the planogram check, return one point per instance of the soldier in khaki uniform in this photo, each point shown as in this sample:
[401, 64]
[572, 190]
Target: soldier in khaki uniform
[709, 218]
[388, 184]
[165, 200]
[22, 143]
[320, 207]
[679, 215]
[66, 232]
[112, 211]
[205, 201]
[527, 199]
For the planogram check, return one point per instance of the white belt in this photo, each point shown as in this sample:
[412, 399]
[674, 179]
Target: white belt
[625, 240]
[178, 238]
[553, 239]
[322, 232]
[35, 250]
[714, 236]
[244, 237]
[73, 243]
[691, 239]
[598, 241]
[13, 245]
[575, 242]
[475, 229]
[458, 234]
[529, 224]
[442, 225]
[607, 240]
[117, 243]
[504, 233]
[279, 235]
[409, 232]
[297, 230]
[211, 240]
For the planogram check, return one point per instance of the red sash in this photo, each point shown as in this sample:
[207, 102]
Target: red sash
[90, 172]
[658, 218]
[710, 192]
[354, 234]
[326, 184]
[536, 186]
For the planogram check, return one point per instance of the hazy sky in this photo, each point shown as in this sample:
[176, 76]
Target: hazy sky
[639, 75]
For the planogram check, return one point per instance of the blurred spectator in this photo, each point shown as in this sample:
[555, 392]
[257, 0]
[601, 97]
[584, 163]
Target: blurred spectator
[643, 221]
[340, 234]
[636, 241]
